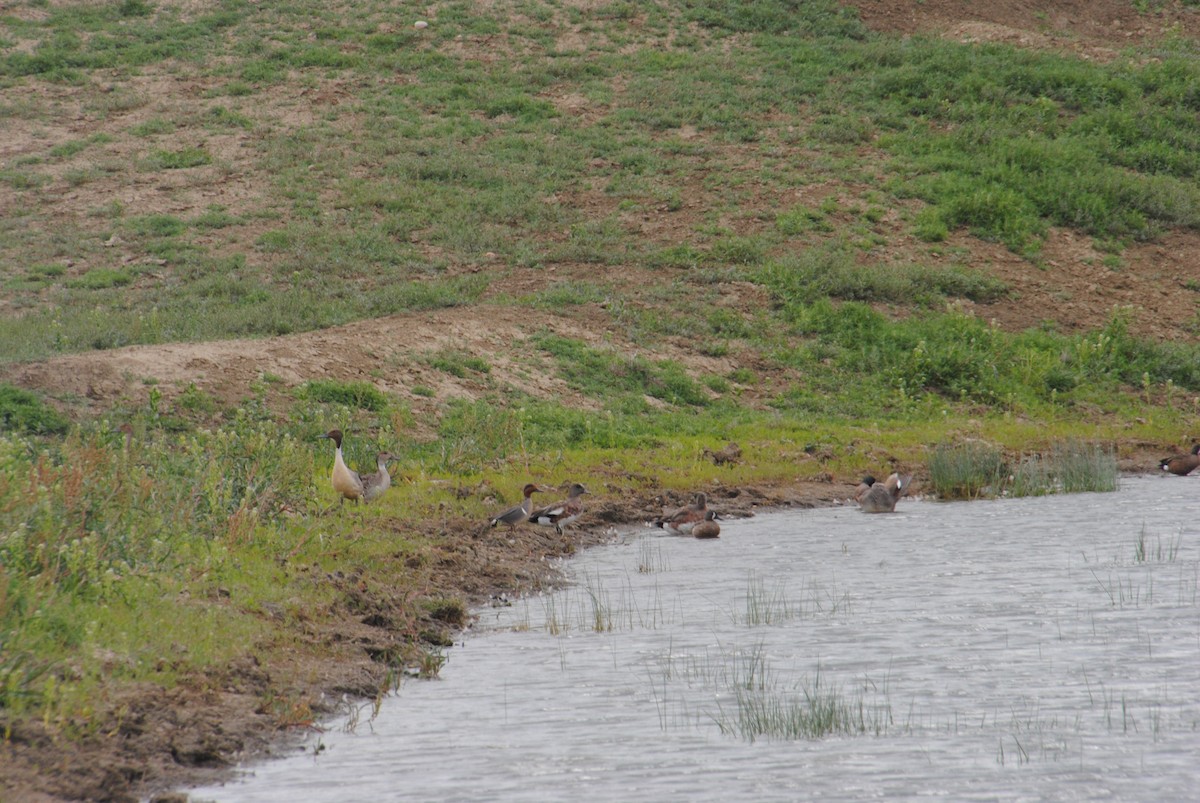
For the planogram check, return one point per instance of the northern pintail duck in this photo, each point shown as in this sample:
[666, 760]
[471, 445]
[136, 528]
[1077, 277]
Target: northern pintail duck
[518, 513]
[876, 497]
[1182, 464]
[346, 482]
[560, 514]
[707, 528]
[683, 520]
[375, 484]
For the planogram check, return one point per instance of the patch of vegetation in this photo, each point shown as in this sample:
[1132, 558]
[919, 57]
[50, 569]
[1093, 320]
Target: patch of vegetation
[834, 273]
[101, 279]
[361, 395]
[603, 373]
[178, 160]
[458, 363]
[1067, 468]
[966, 470]
[23, 412]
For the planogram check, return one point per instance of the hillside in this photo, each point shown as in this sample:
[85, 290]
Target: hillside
[557, 239]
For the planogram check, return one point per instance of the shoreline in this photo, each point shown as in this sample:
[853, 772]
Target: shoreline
[202, 731]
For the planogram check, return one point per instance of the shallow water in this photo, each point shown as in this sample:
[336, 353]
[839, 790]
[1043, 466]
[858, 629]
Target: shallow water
[1000, 650]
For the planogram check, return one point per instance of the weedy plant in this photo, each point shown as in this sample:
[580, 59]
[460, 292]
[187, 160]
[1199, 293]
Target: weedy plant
[813, 711]
[1160, 553]
[766, 607]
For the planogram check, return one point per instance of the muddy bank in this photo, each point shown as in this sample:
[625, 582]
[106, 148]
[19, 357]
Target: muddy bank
[145, 740]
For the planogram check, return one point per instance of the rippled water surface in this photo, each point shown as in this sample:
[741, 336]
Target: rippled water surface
[1042, 648]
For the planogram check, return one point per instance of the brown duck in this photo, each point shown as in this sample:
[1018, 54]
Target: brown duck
[560, 514]
[1182, 464]
[707, 528]
[682, 521]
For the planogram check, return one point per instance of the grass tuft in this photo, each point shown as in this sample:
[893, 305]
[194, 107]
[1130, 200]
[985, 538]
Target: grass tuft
[360, 395]
[966, 470]
[1068, 468]
[21, 411]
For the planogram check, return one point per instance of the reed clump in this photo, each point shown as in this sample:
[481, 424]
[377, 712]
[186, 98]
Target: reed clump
[976, 470]
[966, 470]
[1070, 467]
[813, 711]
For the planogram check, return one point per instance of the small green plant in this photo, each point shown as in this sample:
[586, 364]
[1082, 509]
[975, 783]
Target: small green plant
[650, 558]
[362, 395]
[1161, 553]
[22, 411]
[458, 363]
[766, 607]
[816, 711]
[179, 160]
[101, 279]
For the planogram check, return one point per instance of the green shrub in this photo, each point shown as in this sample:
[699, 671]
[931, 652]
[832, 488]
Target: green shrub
[100, 279]
[362, 395]
[22, 411]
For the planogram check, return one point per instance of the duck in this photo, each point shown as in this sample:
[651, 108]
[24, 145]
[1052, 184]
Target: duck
[376, 483]
[346, 482]
[519, 512]
[682, 521]
[707, 528]
[876, 497]
[560, 514]
[1182, 464]
[728, 456]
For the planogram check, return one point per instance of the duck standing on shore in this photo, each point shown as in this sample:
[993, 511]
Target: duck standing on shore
[1182, 464]
[375, 484]
[682, 521]
[346, 482]
[877, 497]
[518, 513]
[562, 513]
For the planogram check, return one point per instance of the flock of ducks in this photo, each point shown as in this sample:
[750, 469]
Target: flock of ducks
[696, 519]
[367, 487]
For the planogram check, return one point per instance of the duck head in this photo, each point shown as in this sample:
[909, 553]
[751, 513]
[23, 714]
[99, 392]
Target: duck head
[334, 435]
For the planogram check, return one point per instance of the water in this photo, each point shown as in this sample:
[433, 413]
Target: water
[1001, 650]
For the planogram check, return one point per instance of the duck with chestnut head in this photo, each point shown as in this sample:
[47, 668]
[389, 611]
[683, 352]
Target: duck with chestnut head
[560, 514]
